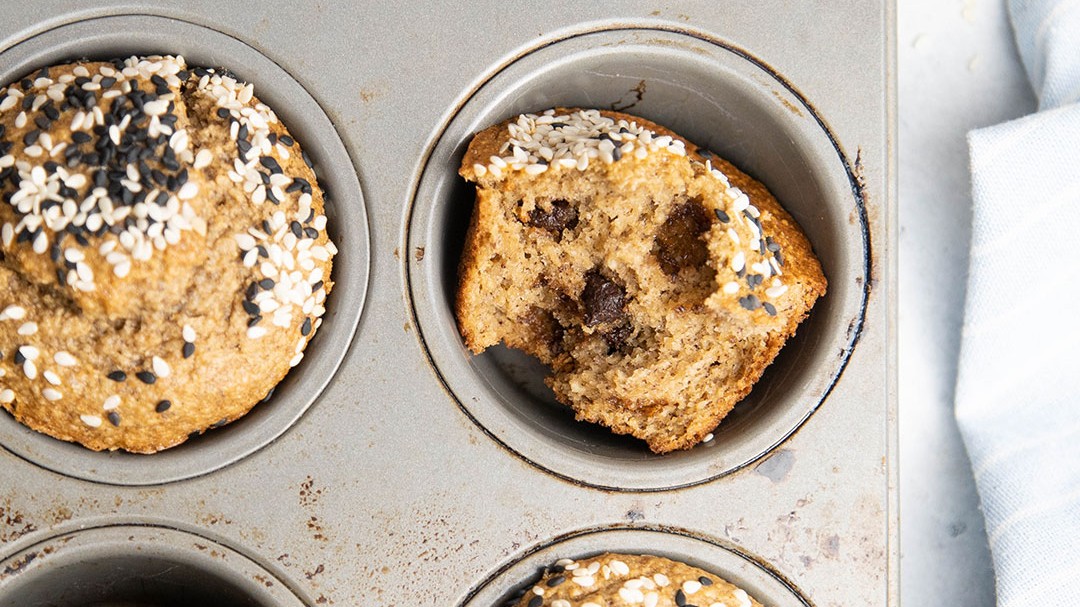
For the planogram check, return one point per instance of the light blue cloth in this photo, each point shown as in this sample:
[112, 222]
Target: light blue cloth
[1018, 384]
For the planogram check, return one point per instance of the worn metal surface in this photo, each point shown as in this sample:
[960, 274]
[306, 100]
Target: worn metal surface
[391, 488]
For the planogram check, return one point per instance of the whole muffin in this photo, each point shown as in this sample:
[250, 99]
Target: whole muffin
[164, 255]
[617, 580]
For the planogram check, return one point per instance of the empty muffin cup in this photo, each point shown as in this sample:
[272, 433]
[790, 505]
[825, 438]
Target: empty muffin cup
[722, 99]
[138, 565]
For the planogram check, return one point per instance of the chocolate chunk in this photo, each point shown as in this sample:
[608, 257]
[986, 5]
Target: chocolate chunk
[678, 241]
[616, 338]
[603, 299]
[561, 217]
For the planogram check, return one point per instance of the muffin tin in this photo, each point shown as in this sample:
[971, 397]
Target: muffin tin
[392, 467]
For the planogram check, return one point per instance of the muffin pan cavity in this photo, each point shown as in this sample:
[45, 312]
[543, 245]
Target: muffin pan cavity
[722, 99]
[137, 565]
[123, 36]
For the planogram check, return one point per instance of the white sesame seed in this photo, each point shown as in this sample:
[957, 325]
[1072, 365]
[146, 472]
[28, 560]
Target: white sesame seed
[7, 396]
[13, 312]
[776, 291]
[188, 334]
[538, 590]
[29, 352]
[631, 595]
[245, 241]
[51, 377]
[256, 332]
[585, 581]
[691, 587]
[188, 191]
[739, 261]
[708, 438]
[296, 359]
[30, 369]
[741, 596]
[64, 359]
[91, 420]
[20, 120]
[52, 394]
[202, 159]
[661, 580]
[619, 567]
[161, 368]
[111, 402]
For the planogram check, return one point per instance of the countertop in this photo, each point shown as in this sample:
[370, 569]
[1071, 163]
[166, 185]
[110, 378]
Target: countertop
[958, 70]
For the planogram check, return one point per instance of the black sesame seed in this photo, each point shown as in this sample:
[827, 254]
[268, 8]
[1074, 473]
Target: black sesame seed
[616, 154]
[107, 82]
[244, 146]
[288, 141]
[307, 160]
[266, 284]
[61, 278]
[162, 406]
[31, 137]
[316, 286]
[754, 280]
[19, 358]
[771, 244]
[43, 122]
[254, 321]
[680, 598]
[705, 153]
[242, 132]
[771, 309]
[558, 125]
[555, 581]
[222, 112]
[262, 251]
[722, 216]
[117, 375]
[250, 307]
[188, 350]
[146, 377]
[269, 163]
[114, 418]
[54, 252]
[296, 229]
[311, 233]
[778, 257]
[305, 328]
[219, 423]
[705, 581]
[750, 302]
[268, 395]
[536, 601]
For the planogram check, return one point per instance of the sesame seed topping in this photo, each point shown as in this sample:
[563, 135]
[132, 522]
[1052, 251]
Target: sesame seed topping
[91, 420]
[7, 396]
[146, 377]
[114, 418]
[161, 368]
[13, 312]
[162, 406]
[27, 328]
[52, 394]
[51, 377]
[111, 402]
[117, 375]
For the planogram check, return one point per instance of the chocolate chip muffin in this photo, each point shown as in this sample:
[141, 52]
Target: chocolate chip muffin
[165, 259]
[654, 278]
[617, 580]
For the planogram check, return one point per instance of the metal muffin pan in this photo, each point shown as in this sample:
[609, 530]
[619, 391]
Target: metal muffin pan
[393, 468]
[721, 100]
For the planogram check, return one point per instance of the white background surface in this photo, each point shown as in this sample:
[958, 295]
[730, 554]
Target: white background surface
[958, 70]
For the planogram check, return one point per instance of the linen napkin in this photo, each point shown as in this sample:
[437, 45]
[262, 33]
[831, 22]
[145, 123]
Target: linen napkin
[1018, 383]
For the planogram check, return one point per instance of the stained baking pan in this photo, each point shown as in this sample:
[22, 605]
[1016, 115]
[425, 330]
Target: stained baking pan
[392, 467]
